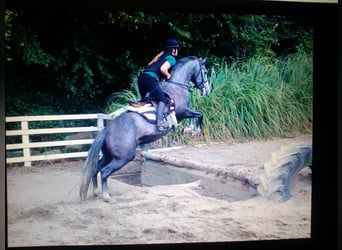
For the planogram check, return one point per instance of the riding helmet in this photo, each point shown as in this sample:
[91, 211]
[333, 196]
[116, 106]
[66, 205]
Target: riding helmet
[171, 43]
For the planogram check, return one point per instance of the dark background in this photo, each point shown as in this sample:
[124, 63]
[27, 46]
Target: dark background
[62, 59]
[326, 228]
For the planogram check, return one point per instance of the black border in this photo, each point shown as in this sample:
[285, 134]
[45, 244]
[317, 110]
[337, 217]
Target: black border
[325, 176]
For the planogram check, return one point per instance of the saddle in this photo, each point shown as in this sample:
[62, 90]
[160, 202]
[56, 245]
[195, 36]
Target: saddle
[147, 109]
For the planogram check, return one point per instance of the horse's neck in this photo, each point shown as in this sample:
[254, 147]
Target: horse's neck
[179, 94]
[181, 76]
[183, 79]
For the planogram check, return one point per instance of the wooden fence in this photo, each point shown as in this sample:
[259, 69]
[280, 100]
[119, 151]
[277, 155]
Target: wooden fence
[25, 132]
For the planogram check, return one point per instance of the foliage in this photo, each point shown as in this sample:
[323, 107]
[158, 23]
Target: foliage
[72, 60]
[121, 98]
[25, 43]
[259, 98]
[252, 35]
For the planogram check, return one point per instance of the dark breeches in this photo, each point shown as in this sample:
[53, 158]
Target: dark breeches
[146, 84]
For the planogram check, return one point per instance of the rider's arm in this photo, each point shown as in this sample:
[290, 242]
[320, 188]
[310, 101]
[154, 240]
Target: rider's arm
[164, 69]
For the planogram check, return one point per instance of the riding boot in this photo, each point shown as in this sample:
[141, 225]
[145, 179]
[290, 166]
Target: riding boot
[161, 123]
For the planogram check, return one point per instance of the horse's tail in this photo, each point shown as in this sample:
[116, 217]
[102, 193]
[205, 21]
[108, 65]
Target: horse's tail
[91, 163]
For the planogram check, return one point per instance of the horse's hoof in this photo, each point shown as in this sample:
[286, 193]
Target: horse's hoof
[109, 200]
[95, 192]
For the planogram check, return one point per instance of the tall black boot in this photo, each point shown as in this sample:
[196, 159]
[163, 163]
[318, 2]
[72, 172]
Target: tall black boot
[161, 123]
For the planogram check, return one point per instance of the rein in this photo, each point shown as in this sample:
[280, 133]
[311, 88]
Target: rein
[187, 86]
[183, 85]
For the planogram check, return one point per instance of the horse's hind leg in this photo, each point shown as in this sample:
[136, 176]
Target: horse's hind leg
[102, 162]
[114, 165]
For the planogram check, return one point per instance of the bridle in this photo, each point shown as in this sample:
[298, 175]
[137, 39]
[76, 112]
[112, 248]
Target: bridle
[187, 86]
[200, 72]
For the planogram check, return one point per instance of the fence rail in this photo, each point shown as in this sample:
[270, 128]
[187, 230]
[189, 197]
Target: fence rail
[25, 132]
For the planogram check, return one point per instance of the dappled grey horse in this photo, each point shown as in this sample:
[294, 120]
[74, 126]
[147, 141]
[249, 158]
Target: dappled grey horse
[119, 139]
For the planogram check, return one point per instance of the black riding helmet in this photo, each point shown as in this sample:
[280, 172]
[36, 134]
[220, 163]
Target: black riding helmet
[171, 44]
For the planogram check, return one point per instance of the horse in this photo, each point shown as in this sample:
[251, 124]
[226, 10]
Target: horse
[119, 139]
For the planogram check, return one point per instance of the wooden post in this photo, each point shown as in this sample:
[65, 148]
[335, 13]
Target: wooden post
[100, 123]
[26, 141]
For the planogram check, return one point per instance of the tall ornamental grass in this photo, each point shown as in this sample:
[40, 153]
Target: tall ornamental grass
[259, 98]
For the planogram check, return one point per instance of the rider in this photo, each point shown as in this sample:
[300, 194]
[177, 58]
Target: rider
[148, 80]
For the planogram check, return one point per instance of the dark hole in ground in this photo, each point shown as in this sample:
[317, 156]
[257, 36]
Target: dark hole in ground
[131, 178]
[153, 173]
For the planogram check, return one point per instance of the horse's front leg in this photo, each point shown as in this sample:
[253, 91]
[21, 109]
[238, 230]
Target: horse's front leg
[195, 128]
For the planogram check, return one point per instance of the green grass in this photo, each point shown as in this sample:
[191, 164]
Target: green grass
[259, 98]
[120, 99]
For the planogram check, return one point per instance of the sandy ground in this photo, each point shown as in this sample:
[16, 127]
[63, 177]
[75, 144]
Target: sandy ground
[44, 209]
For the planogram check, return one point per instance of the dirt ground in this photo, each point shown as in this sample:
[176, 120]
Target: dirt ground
[43, 209]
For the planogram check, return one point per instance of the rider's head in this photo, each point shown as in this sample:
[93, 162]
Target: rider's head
[172, 45]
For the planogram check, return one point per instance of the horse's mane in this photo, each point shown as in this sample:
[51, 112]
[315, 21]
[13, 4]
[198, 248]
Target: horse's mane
[183, 60]
[186, 59]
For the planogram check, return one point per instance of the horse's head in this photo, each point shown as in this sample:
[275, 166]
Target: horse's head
[200, 77]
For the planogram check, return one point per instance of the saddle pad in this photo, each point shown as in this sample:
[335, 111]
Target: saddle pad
[147, 111]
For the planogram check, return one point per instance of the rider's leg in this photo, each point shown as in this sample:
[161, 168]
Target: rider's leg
[142, 85]
[158, 94]
[149, 84]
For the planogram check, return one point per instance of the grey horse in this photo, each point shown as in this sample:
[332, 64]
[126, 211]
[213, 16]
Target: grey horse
[119, 139]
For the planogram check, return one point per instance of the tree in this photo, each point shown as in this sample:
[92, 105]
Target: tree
[71, 60]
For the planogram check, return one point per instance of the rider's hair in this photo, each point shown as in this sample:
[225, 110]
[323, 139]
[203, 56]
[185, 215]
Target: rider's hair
[156, 58]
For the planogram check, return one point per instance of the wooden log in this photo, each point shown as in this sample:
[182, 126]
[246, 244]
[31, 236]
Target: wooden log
[177, 161]
[238, 172]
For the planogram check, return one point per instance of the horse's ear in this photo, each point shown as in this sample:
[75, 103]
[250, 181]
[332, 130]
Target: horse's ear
[203, 60]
